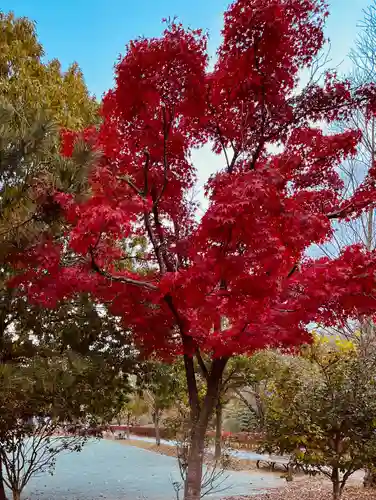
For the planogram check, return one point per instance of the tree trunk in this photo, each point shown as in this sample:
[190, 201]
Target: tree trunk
[128, 426]
[156, 418]
[368, 329]
[200, 417]
[218, 431]
[2, 489]
[192, 487]
[16, 495]
[336, 484]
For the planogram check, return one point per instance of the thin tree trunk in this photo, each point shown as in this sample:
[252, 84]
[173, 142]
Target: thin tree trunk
[200, 417]
[200, 413]
[336, 484]
[369, 236]
[16, 495]
[156, 418]
[368, 329]
[192, 487]
[128, 426]
[2, 489]
[336, 492]
[218, 430]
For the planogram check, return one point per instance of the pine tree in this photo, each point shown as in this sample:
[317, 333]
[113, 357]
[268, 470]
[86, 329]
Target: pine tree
[36, 101]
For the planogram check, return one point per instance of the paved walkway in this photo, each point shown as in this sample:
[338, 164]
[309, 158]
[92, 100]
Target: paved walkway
[111, 471]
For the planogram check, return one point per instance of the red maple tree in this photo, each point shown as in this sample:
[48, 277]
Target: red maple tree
[239, 279]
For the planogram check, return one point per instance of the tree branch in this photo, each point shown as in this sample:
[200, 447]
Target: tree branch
[202, 364]
[292, 271]
[229, 165]
[146, 170]
[229, 377]
[162, 245]
[244, 400]
[119, 279]
[153, 241]
[194, 401]
[166, 130]
[131, 184]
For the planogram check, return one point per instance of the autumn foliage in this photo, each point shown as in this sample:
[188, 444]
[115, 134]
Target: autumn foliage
[245, 260]
[239, 278]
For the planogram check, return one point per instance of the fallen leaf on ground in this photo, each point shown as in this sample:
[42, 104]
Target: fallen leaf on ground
[310, 490]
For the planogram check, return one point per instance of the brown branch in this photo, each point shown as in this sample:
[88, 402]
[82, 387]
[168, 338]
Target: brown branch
[202, 364]
[146, 169]
[162, 242]
[156, 247]
[166, 130]
[335, 215]
[177, 237]
[194, 401]
[119, 279]
[292, 271]
[229, 377]
[256, 154]
[213, 387]
[262, 139]
[230, 165]
[131, 184]
[284, 310]
[243, 399]
[221, 140]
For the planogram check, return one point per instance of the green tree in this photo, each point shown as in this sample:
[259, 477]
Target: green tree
[66, 393]
[70, 365]
[133, 407]
[29, 83]
[321, 410]
[36, 99]
[162, 385]
[245, 379]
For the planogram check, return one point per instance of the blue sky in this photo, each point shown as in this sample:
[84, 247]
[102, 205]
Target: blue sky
[94, 32]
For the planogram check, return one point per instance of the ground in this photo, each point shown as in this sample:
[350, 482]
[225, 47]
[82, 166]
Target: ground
[109, 470]
[302, 488]
[163, 449]
[310, 489]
